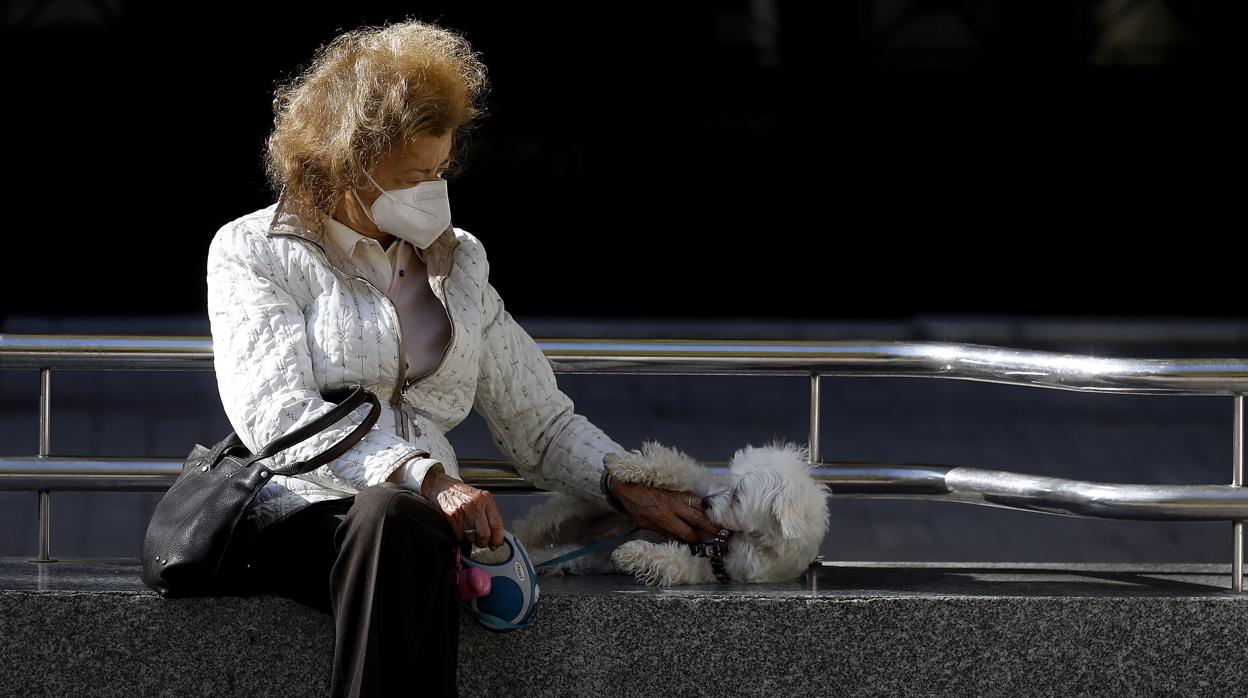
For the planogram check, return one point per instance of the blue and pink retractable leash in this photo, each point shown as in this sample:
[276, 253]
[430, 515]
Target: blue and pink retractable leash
[503, 595]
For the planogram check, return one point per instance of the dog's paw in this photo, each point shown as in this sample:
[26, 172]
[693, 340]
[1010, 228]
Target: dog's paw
[662, 564]
[658, 466]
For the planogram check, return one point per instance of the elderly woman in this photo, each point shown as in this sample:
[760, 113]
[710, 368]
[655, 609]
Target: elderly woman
[356, 276]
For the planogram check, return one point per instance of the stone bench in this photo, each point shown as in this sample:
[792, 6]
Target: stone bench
[90, 627]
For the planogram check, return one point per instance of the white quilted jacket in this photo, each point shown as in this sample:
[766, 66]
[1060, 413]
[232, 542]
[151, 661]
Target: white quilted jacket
[292, 317]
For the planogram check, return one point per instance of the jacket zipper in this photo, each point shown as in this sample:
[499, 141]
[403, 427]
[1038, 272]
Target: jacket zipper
[445, 352]
[400, 388]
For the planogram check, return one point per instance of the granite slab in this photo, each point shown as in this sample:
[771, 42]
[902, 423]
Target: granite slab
[90, 627]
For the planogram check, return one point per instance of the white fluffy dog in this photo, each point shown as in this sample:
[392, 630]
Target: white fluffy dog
[776, 511]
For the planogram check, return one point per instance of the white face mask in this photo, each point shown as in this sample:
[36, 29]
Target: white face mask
[417, 214]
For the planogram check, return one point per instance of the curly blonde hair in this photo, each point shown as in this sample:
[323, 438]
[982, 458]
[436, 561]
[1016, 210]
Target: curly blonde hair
[363, 92]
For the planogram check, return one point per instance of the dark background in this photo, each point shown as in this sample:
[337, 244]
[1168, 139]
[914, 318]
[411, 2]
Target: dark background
[1044, 174]
[765, 159]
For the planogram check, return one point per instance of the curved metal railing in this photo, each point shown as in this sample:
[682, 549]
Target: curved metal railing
[975, 362]
[815, 359]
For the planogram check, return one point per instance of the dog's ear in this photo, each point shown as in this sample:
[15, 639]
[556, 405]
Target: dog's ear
[800, 507]
[784, 507]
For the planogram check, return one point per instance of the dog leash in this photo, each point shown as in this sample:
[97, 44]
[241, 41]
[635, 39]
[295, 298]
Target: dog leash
[716, 550]
[568, 556]
[587, 549]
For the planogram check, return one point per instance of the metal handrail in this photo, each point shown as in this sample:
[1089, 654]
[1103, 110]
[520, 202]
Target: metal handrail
[996, 488]
[974, 362]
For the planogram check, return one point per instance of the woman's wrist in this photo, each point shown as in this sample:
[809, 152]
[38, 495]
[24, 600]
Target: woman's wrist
[432, 481]
[612, 499]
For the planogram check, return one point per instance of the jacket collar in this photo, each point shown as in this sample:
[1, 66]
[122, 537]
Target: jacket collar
[288, 219]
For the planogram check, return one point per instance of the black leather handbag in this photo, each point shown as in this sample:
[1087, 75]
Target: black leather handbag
[188, 537]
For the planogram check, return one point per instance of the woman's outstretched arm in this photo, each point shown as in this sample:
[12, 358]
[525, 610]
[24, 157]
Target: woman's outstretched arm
[533, 423]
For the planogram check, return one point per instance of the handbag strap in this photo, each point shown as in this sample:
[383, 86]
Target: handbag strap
[321, 423]
[224, 445]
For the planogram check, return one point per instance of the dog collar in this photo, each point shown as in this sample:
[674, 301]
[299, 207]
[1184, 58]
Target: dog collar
[715, 550]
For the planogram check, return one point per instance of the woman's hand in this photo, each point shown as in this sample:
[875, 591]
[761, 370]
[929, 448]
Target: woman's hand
[666, 511]
[466, 507]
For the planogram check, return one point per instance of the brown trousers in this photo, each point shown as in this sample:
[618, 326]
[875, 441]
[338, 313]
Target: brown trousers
[382, 562]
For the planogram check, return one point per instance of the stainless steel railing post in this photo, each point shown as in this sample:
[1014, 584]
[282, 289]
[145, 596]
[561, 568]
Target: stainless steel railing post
[45, 450]
[814, 417]
[1237, 479]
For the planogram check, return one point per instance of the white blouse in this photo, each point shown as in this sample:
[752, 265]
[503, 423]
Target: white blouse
[399, 272]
